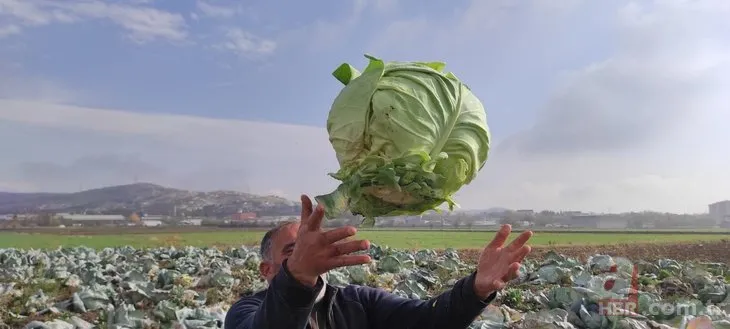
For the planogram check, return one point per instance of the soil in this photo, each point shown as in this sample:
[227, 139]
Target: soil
[717, 251]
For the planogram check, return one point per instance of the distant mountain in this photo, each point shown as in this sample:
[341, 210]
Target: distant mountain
[149, 198]
[494, 210]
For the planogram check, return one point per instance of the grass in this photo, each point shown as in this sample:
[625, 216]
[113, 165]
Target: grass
[396, 239]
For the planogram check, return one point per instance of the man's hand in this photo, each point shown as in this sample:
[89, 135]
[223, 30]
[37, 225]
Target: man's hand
[498, 265]
[316, 252]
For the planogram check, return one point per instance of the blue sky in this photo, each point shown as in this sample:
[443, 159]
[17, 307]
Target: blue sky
[593, 105]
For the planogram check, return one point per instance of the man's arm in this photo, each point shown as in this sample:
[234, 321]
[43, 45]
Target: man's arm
[454, 309]
[287, 304]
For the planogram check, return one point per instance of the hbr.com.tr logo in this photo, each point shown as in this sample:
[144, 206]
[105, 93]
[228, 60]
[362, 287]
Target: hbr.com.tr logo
[621, 306]
[630, 304]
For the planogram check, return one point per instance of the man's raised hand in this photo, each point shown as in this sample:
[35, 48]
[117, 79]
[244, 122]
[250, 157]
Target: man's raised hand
[316, 252]
[497, 264]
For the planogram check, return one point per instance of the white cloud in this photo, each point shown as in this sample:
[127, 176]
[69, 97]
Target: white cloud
[9, 30]
[637, 130]
[212, 10]
[600, 182]
[115, 147]
[642, 127]
[246, 44]
[142, 23]
[477, 29]
[18, 86]
[669, 68]
[386, 6]
[27, 12]
[16, 187]
[230, 153]
[323, 35]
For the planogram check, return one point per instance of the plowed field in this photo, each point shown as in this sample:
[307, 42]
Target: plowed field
[715, 251]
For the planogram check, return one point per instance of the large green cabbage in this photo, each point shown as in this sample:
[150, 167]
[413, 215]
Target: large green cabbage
[407, 136]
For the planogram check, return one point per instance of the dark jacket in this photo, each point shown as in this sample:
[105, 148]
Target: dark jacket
[287, 304]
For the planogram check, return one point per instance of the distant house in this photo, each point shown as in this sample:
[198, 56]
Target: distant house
[571, 213]
[599, 221]
[720, 211]
[151, 223]
[10, 224]
[244, 216]
[93, 220]
[613, 222]
[279, 219]
[192, 221]
[648, 224]
[485, 222]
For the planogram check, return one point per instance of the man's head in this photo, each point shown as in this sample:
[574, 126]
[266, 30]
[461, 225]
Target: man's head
[276, 246]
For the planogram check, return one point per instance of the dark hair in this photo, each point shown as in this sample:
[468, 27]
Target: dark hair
[266, 241]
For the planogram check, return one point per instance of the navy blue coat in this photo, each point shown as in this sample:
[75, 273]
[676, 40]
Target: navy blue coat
[287, 304]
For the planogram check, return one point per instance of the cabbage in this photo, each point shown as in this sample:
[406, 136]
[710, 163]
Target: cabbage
[407, 137]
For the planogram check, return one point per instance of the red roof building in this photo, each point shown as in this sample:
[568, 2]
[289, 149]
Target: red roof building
[244, 216]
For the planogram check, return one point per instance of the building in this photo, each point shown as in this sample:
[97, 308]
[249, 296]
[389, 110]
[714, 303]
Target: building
[192, 221]
[486, 222]
[571, 213]
[599, 221]
[244, 216]
[612, 223]
[151, 223]
[720, 211]
[94, 220]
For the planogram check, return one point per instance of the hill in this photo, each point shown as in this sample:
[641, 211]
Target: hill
[149, 198]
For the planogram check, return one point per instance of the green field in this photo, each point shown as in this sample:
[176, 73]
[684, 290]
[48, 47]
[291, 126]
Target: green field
[396, 239]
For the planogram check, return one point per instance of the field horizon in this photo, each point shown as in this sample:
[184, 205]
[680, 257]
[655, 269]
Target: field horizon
[401, 239]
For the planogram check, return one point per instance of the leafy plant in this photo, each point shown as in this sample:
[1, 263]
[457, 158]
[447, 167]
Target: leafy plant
[407, 136]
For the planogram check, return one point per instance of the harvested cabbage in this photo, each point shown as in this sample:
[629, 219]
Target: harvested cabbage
[407, 137]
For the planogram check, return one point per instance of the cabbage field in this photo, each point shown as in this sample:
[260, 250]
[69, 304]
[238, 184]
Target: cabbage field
[192, 287]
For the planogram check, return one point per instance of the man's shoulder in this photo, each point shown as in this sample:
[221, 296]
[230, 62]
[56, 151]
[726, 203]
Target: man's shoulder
[254, 298]
[359, 289]
[352, 292]
[347, 290]
[366, 296]
[359, 292]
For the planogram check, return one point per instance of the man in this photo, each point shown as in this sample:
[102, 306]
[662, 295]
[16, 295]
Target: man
[296, 255]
